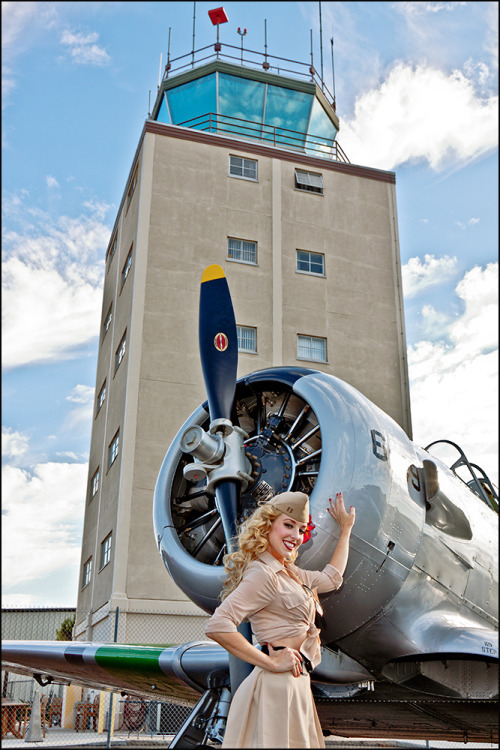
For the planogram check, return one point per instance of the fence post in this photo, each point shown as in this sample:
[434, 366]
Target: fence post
[112, 696]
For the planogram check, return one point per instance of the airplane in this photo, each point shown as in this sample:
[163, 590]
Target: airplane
[409, 641]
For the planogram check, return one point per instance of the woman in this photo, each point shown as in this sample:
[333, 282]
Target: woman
[274, 706]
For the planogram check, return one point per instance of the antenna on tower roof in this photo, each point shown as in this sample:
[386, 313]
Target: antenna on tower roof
[167, 67]
[194, 20]
[321, 46]
[333, 79]
[159, 71]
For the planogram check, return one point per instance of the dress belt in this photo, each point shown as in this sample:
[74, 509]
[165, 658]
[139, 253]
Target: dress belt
[305, 661]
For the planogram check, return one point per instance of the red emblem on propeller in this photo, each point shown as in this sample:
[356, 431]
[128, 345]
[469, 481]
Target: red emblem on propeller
[221, 342]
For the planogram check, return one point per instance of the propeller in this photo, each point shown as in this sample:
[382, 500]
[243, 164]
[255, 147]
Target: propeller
[219, 362]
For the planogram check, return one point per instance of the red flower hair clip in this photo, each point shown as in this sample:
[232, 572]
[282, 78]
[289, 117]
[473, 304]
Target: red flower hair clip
[308, 534]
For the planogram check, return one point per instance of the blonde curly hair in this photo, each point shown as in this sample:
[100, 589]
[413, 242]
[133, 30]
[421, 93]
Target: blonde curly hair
[252, 542]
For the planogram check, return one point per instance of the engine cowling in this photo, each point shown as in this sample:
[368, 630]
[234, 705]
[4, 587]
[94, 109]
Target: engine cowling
[309, 431]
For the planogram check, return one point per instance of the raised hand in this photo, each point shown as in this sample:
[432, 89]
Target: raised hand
[337, 510]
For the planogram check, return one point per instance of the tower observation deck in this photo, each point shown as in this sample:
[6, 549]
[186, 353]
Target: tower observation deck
[278, 102]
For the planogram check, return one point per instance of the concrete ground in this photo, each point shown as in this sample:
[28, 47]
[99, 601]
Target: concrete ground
[65, 738]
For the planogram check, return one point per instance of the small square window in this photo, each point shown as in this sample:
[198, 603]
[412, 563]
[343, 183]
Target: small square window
[120, 352]
[247, 339]
[310, 262]
[126, 267]
[308, 181]
[106, 551]
[107, 321]
[94, 484]
[87, 573]
[244, 168]
[243, 251]
[113, 449]
[311, 347]
[101, 398]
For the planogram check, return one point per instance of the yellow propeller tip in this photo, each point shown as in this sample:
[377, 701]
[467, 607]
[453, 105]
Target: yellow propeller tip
[212, 272]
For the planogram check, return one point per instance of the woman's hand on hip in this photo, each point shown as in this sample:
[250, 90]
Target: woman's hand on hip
[285, 660]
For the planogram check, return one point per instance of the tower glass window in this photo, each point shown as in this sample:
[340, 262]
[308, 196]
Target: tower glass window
[113, 449]
[243, 251]
[313, 263]
[87, 573]
[191, 102]
[282, 112]
[244, 168]
[247, 339]
[288, 111]
[240, 99]
[312, 348]
[106, 551]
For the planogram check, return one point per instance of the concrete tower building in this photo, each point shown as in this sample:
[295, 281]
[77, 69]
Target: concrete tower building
[237, 165]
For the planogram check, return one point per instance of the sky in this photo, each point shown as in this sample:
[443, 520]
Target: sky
[416, 87]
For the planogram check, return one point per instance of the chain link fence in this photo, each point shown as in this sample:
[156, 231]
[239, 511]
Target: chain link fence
[75, 716]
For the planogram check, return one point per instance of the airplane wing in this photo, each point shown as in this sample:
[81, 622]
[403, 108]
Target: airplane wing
[352, 707]
[178, 673]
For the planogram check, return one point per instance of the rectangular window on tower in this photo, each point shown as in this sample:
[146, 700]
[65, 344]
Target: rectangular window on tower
[247, 339]
[94, 484]
[107, 321]
[112, 249]
[106, 551]
[120, 352]
[242, 251]
[126, 267]
[313, 263]
[312, 348]
[308, 181]
[131, 189]
[101, 398]
[113, 449]
[87, 573]
[245, 169]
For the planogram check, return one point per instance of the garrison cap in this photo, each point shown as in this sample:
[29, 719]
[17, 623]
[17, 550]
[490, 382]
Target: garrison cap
[293, 504]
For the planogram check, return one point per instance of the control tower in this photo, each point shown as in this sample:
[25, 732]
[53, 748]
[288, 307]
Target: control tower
[239, 165]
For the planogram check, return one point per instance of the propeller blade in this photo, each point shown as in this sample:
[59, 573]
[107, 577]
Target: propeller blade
[218, 342]
[227, 495]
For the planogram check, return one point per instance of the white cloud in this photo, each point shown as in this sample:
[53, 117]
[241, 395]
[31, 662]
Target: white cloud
[412, 116]
[419, 276]
[21, 22]
[83, 50]
[42, 518]
[14, 443]
[83, 396]
[419, 8]
[51, 287]
[435, 325]
[51, 181]
[470, 223]
[454, 385]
